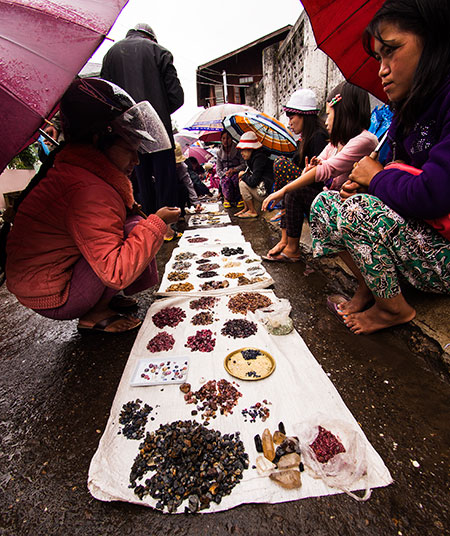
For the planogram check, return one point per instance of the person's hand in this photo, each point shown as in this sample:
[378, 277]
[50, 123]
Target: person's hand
[199, 207]
[169, 214]
[364, 171]
[309, 164]
[350, 188]
[241, 174]
[275, 196]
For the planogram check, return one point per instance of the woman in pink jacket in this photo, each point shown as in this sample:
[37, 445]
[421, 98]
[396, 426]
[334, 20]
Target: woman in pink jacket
[348, 117]
[77, 239]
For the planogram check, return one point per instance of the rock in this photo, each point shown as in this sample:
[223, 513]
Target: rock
[264, 466]
[289, 479]
[268, 446]
[289, 461]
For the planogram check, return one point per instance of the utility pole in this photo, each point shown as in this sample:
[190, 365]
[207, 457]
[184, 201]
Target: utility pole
[225, 90]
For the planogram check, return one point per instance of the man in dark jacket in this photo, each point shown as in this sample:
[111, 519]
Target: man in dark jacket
[145, 70]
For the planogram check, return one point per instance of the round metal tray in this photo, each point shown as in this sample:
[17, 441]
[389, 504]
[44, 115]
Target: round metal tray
[237, 366]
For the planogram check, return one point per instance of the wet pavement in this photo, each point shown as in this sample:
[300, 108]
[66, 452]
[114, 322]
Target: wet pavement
[58, 385]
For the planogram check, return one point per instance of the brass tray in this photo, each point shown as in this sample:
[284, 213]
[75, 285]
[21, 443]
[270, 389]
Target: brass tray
[261, 367]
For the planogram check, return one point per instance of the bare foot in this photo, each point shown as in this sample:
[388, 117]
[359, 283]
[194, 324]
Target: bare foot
[277, 248]
[361, 299]
[123, 323]
[292, 253]
[376, 318]
[240, 212]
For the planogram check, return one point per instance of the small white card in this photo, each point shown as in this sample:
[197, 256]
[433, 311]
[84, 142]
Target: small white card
[160, 371]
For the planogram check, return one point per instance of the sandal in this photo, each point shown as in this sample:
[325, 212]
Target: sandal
[226, 204]
[241, 204]
[175, 236]
[102, 325]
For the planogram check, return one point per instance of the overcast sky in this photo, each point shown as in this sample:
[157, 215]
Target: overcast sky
[198, 31]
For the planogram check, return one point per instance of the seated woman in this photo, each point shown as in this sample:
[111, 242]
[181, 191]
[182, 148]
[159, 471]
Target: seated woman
[401, 226]
[257, 180]
[302, 111]
[229, 163]
[348, 117]
[77, 240]
[196, 172]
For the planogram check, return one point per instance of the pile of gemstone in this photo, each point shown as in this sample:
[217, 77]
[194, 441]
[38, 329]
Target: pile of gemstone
[211, 397]
[205, 302]
[202, 341]
[248, 301]
[134, 418]
[162, 342]
[239, 328]
[190, 462]
[169, 316]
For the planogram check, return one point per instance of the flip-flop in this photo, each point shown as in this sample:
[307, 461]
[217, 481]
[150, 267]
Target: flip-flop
[122, 303]
[333, 302]
[176, 236]
[247, 216]
[282, 257]
[103, 324]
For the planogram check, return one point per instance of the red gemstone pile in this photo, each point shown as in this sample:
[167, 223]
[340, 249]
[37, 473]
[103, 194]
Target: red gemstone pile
[326, 445]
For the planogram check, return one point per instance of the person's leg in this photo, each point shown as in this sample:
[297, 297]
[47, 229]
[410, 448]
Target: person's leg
[145, 181]
[226, 185]
[382, 243]
[284, 171]
[166, 180]
[248, 194]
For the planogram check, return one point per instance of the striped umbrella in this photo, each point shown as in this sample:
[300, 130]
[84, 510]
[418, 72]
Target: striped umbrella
[269, 131]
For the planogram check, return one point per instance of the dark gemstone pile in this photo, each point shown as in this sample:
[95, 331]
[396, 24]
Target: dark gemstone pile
[212, 397]
[208, 274]
[134, 418]
[257, 411]
[161, 342]
[248, 301]
[239, 328]
[190, 462]
[227, 251]
[197, 239]
[207, 266]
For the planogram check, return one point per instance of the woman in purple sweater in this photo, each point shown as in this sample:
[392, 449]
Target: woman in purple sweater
[392, 229]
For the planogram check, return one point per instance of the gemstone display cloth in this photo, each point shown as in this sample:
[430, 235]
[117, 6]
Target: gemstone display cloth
[298, 389]
[221, 260]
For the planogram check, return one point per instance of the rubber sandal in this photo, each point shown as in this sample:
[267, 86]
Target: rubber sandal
[241, 204]
[277, 217]
[122, 303]
[226, 204]
[103, 324]
[247, 216]
[176, 236]
[282, 257]
[333, 302]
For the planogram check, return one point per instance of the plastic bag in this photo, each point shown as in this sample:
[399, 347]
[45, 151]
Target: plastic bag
[345, 469]
[275, 318]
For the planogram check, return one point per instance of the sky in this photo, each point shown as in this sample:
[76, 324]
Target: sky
[198, 31]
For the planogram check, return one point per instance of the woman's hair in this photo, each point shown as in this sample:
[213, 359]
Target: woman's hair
[429, 20]
[351, 113]
[312, 125]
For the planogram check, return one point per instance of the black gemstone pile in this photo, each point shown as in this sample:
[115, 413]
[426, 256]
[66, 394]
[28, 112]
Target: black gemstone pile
[134, 418]
[227, 251]
[239, 328]
[190, 462]
[250, 354]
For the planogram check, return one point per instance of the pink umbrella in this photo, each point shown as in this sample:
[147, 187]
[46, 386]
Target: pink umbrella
[202, 155]
[43, 45]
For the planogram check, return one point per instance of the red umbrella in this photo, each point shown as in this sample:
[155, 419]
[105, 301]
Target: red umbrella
[338, 26]
[43, 45]
[202, 155]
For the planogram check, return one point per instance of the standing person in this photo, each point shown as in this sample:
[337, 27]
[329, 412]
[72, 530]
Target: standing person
[402, 225]
[302, 111]
[229, 163]
[257, 179]
[77, 239]
[348, 118]
[145, 69]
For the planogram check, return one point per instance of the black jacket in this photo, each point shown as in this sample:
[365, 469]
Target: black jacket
[259, 168]
[145, 70]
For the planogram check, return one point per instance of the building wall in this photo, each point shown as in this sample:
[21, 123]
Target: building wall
[295, 63]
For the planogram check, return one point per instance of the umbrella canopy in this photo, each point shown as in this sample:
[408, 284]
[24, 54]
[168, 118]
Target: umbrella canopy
[186, 138]
[43, 45]
[269, 131]
[338, 26]
[202, 155]
[211, 118]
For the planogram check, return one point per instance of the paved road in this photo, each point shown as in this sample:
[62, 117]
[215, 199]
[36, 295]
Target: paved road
[57, 387]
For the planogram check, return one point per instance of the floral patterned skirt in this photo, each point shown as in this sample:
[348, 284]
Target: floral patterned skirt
[381, 242]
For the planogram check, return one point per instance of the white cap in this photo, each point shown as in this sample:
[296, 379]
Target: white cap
[249, 141]
[302, 101]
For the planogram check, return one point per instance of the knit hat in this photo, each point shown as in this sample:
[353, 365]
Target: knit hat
[302, 101]
[249, 141]
[179, 157]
